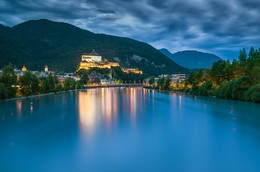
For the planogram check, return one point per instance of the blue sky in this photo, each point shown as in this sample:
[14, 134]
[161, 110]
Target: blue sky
[222, 27]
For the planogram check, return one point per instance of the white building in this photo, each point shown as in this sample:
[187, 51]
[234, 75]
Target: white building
[91, 57]
[178, 77]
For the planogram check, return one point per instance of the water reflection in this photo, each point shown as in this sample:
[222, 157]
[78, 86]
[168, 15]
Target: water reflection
[129, 129]
[103, 105]
[87, 110]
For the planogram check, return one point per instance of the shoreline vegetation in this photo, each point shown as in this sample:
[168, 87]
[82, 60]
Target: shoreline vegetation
[29, 84]
[237, 80]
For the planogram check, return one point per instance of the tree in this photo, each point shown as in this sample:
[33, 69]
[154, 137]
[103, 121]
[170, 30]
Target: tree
[151, 81]
[35, 84]
[59, 87]
[51, 82]
[167, 84]
[177, 83]
[84, 78]
[25, 83]
[9, 79]
[44, 85]
[97, 80]
[217, 73]
[206, 88]
[3, 92]
[255, 73]
[252, 90]
[240, 87]
[242, 57]
[161, 83]
[192, 77]
[67, 84]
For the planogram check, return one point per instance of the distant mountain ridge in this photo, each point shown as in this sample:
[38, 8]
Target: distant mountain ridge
[192, 59]
[37, 43]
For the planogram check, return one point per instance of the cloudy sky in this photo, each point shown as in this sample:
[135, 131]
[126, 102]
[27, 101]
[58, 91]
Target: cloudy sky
[222, 27]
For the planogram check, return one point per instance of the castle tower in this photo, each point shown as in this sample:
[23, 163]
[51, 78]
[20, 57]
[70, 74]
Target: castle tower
[46, 69]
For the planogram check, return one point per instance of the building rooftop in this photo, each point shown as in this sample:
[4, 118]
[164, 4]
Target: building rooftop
[93, 53]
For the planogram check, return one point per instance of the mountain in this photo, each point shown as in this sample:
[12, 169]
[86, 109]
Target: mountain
[192, 59]
[37, 43]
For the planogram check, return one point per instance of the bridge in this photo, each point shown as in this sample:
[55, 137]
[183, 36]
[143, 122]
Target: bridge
[113, 85]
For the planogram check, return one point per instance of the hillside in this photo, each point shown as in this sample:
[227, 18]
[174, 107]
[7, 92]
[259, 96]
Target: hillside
[37, 43]
[192, 59]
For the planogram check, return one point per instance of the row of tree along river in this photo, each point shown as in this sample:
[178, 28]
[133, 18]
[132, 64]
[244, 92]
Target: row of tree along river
[30, 84]
[239, 80]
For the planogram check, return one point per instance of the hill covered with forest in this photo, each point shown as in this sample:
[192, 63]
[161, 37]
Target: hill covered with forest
[37, 43]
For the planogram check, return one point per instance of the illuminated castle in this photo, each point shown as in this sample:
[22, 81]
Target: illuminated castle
[93, 59]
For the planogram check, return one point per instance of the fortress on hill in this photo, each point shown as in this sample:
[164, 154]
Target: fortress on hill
[93, 59]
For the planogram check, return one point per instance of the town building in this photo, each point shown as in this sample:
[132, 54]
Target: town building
[132, 70]
[46, 69]
[178, 77]
[24, 68]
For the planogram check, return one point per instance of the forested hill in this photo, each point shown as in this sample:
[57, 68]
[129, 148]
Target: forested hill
[37, 43]
[192, 59]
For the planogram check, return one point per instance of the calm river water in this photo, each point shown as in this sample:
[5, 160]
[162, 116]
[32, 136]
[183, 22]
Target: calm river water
[129, 129]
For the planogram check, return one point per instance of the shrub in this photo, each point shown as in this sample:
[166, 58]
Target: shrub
[219, 90]
[256, 97]
[205, 88]
[250, 91]
[240, 87]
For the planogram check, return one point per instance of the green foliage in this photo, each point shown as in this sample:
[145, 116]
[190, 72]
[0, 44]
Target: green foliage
[255, 89]
[151, 81]
[84, 78]
[255, 97]
[35, 84]
[3, 92]
[229, 80]
[217, 73]
[220, 90]
[59, 87]
[206, 88]
[161, 83]
[9, 79]
[45, 87]
[240, 87]
[97, 80]
[255, 73]
[67, 84]
[25, 83]
[167, 84]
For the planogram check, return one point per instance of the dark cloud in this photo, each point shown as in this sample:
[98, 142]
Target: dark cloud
[222, 27]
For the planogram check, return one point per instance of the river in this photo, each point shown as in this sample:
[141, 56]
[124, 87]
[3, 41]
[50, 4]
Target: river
[129, 129]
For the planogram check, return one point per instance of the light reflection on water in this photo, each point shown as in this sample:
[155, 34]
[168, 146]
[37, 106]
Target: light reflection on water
[104, 105]
[128, 129]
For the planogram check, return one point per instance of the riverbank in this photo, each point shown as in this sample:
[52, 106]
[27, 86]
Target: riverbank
[85, 88]
[188, 93]
[40, 95]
